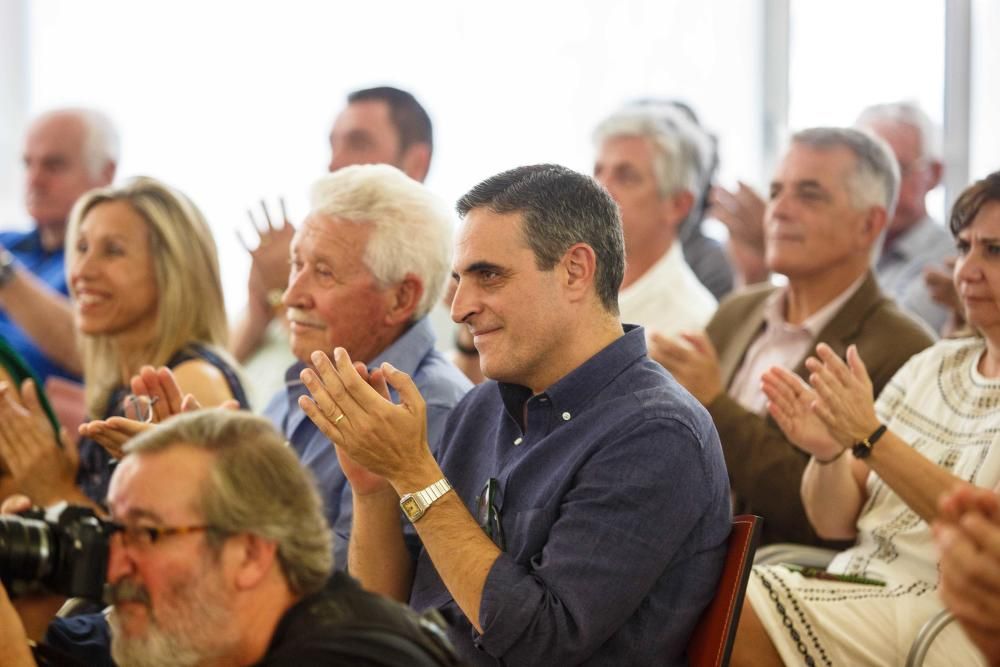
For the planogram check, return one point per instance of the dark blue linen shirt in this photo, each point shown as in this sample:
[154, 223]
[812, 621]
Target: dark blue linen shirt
[49, 268]
[440, 383]
[614, 504]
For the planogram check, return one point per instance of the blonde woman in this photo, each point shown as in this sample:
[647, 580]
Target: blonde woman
[144, 279]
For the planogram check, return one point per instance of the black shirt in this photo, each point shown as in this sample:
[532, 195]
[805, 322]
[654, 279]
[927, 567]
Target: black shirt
[342, 624]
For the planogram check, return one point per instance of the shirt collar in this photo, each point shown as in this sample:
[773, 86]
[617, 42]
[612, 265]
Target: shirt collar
[774, 310]
[573, 391]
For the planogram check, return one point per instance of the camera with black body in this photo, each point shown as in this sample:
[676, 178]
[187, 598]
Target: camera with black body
[63, 550]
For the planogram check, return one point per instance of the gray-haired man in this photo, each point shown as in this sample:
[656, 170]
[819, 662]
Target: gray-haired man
[831, 197]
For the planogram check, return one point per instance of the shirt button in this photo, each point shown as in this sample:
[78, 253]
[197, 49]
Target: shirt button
[566, 416]
[518, 441]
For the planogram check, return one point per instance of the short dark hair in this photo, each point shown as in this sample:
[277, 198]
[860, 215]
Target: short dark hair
[560, 207]
[410, 119]
[972, 200]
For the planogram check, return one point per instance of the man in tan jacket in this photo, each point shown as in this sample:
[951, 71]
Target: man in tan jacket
[830, 199]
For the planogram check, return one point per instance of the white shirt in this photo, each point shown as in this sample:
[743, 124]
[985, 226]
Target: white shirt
[668, 298]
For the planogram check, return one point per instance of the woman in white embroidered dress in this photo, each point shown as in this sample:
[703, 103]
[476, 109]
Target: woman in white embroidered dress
[881, 487]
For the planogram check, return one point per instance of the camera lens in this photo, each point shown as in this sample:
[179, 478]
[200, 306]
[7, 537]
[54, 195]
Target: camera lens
[25, 549]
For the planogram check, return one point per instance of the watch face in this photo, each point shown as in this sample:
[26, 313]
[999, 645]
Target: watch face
[410, 506]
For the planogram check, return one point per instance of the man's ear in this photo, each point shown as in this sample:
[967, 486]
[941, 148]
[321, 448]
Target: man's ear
[253, 558]
[676, 208]
[936, 169]
[579, 264]
[108, 173]
[416, 161]
[874, 222]
[404, 299]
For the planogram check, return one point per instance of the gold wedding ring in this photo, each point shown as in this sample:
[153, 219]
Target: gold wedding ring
[337, 420]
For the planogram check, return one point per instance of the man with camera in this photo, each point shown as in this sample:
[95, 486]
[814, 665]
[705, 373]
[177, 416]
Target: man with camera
[218, 553]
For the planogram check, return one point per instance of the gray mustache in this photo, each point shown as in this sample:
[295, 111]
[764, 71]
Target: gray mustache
[125, 591]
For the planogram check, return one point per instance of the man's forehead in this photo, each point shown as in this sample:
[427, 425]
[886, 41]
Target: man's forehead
[488, 237]
[56, 132]
[320, 233]
[364, 114]
[161, 485]
[632, 145]
[825, 165]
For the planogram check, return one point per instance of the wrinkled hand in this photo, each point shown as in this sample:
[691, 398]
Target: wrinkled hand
[692, 361]
[790, 401]
[36, 464]
[269, 259]
[967, 534]
[363, 482]
[844, 392]
[112, 434]
[742, 212]
[386, 439]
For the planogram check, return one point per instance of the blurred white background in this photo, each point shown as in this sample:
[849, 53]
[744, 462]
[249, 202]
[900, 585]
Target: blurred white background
[232, 101]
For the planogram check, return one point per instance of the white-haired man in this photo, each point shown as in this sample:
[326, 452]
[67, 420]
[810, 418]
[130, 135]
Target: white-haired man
[914, 241]
[66, 153]
[368, 264]
[652, 160]
[831, 197]
[222, 557]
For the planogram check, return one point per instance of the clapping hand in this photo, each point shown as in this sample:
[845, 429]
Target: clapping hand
[967, 534]
[692, 361]
[790, 402]
[38, 466]
[269, 258]
[162, 398]
[845, 400]
[384, 439]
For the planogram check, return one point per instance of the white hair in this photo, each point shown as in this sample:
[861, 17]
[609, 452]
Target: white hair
[905, 113]
[874, 179]
[412, 226]
[682, 151]
[101, 145]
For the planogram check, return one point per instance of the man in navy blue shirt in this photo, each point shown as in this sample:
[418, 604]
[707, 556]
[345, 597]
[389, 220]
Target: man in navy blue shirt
[578, 508]
[66, 153]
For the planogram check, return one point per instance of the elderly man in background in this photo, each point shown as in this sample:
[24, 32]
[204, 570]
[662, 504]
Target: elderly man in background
[831, 197]
[652, 159]
[914, 242]
[382, 125]
[223, 557]
[66, 153]
[912, 266]
[368, 264]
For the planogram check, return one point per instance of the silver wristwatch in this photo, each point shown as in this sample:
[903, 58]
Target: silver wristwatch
[415, 504]
[7, 263]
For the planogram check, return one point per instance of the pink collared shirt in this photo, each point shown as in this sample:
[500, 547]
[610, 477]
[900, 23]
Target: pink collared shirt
[781, 344]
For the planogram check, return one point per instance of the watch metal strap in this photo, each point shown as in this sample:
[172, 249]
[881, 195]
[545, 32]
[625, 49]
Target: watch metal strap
[433, 492]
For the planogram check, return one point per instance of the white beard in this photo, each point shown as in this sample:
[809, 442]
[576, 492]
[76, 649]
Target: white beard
[192, 626]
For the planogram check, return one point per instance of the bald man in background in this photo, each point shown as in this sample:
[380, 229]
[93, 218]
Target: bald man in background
[66, 153]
